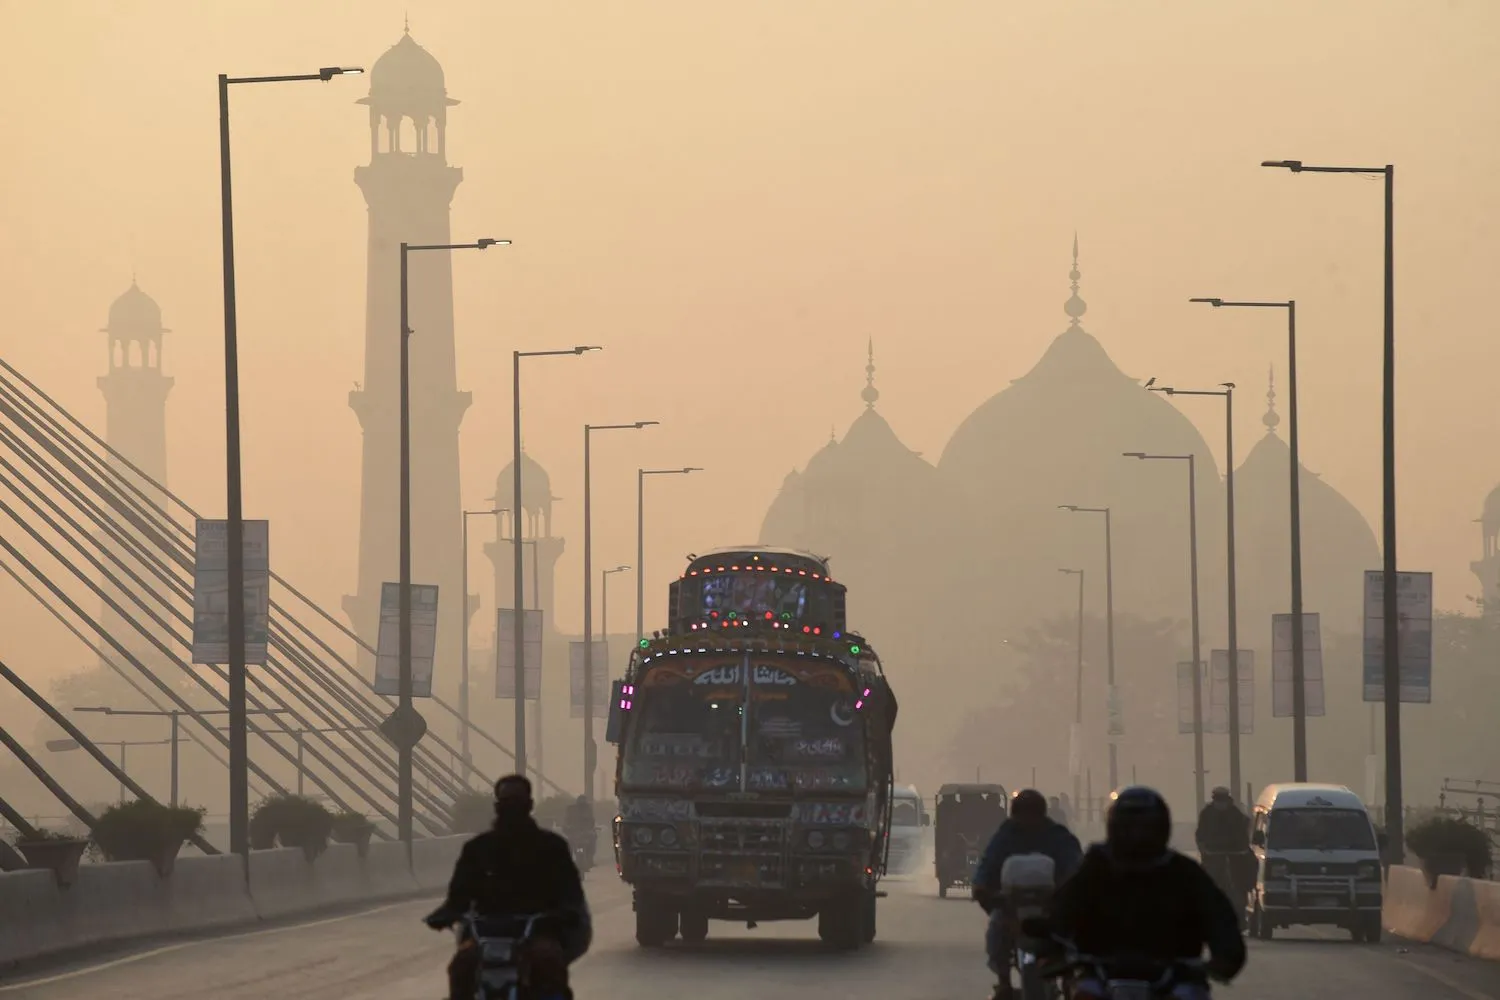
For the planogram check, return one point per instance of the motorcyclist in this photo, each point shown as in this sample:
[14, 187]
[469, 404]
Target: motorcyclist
[1135, 896]
[1223, 838]
[579, 827]
[518, 869]
[1028, 830]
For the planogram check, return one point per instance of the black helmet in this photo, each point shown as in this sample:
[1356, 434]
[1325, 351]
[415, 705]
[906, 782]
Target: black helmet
[1139, 825]
[1028, 803]
[582, 800]
[1221, 794]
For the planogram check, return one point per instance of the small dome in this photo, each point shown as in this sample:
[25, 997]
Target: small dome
[135, 315]
[536, 486]
[1492, 510]
[408, 80]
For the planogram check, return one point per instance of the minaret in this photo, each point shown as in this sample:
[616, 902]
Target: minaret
[135, 406]
[869, 393]
[540, 549]
[408, 187]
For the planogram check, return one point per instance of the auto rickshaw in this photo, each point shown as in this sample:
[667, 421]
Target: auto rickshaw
[965, 817]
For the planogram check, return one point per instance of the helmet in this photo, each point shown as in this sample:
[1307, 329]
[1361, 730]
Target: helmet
[582, 800]
[1221, 794]
[1028, 803]
[1138, 826]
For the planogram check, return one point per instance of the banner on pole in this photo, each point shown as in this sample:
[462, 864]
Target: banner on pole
[1185, 709]
[505, 653]
[211, 591]
[1116, 712]
[599, 653]
[1218, 691]
[1414, 629]
[424, 603]
[1281, 665]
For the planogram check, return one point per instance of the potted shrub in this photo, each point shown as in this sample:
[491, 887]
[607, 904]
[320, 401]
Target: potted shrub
[296, 821]
[143, 830]
[353, 828]
[472, 812]
[1448, 846]
[58, 852]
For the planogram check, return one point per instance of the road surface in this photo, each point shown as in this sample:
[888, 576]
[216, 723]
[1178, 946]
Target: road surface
[928, 949]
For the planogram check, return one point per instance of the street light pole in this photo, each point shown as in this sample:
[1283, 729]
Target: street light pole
[1233, 680]
[590, 749]
[640, 540]
[1109, 624]
[518, 557]
[239, 757]
[1299, 655]
[1198, 771]
[406, 744]
[1396, 834]
[463, 677]
[1077, 766]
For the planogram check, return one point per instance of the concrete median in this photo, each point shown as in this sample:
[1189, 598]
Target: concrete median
[1459, 914]
[432, 861]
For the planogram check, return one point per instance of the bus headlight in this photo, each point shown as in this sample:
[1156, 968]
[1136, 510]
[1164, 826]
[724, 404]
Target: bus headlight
[668, 837]
[841, 841]
[1278, 870]
[815, 839]
[642, 836]
[1368, 872]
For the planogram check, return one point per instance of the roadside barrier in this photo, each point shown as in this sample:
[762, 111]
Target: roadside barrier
[1459, 914]
[124, 901]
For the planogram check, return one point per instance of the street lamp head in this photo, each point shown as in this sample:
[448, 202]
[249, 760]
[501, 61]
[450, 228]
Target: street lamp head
[581, 348]
[1216, 303]
[1133, 454]
[329, 72]
[646, 423]
[486, 243]
[619, 569]
[1228, 385]
[690, 468]
[1295, 166]
[1068, 506]
[1169, 390]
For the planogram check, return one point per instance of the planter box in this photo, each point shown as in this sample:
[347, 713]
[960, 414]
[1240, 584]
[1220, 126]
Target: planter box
[61, 857]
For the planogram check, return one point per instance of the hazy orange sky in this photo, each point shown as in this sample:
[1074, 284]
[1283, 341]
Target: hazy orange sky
[732, 197]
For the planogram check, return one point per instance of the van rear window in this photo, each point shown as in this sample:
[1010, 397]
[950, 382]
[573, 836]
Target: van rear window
[1320, 830]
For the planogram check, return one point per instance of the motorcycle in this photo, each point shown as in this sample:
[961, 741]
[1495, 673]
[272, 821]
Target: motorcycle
[501, 942]
[1026, 888]
[1125, 977]
[1226, 868]
[583, 847]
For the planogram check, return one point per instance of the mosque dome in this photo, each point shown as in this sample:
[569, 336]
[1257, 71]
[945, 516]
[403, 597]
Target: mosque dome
[408, 80]
[135, 315]
[1058, 436]
[536, 486]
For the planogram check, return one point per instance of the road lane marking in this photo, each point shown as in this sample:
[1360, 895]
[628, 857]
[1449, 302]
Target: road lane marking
[129, 959]
[1433, 974]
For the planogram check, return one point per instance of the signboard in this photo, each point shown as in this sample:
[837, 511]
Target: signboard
[424, 601]
[505, 654]
[211, 591]
[1218, 691]
[1281, 666]
[1186, 717]
[600, 654]
[1414, 627]
[1116, 712]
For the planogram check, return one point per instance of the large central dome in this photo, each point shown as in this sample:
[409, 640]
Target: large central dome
[1056, 436]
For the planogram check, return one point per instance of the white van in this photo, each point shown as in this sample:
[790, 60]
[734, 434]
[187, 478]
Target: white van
[1318, 861]
[909, 823]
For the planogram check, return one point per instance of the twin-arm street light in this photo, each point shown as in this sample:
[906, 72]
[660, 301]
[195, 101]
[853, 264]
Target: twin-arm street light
[1299, 655]
[1193, 575]
[1075, 764]
[604, 599]
[517, 516]
[239, 756]
[66, 745]
[590, 750]
[409, 730]
[1109, 624]
[1227, 393]
[463, 676]
[1396, 845]
[640, 540]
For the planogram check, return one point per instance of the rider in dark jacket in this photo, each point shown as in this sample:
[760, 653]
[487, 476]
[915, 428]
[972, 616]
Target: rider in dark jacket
[1133, 895]
[1028, 830]
[518, 869]
[1222, 828]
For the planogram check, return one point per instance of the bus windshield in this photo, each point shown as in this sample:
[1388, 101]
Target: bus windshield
[804, 735]
[685, 738]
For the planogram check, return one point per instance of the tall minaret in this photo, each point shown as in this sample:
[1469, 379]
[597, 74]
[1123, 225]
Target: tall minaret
[408, 186]
[135, 406]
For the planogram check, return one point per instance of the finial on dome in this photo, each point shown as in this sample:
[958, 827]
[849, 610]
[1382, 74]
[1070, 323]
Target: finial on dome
[1075, 307]
[406, 22]
[1272, 418]
[870, 394]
